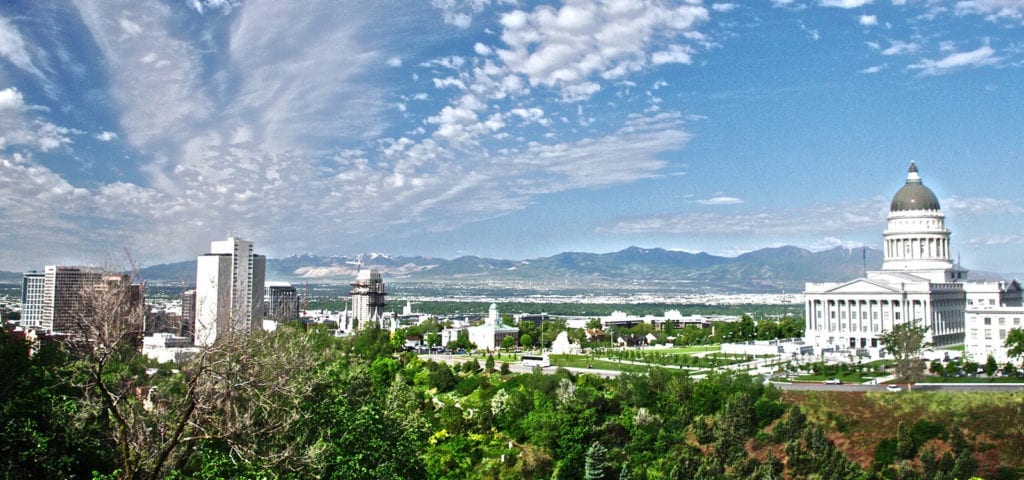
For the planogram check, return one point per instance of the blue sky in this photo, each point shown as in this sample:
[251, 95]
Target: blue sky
[502, 128]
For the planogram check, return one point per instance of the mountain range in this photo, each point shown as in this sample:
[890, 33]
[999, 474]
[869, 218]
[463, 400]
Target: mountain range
[765, 270]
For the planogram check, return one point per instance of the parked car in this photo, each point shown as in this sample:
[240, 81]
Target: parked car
[833, 381]
[893, 388]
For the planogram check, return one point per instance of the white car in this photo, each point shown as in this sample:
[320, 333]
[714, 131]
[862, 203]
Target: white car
[833, 381]
[893, 388]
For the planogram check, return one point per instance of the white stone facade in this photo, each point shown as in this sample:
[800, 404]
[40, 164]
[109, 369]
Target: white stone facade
[229, 290]
[918, 283]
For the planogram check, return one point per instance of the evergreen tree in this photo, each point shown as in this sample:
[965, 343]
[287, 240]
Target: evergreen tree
[595, 462]
[991, 366]
[904, 443]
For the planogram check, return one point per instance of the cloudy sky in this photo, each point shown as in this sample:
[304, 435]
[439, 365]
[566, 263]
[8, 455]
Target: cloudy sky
[502, 128]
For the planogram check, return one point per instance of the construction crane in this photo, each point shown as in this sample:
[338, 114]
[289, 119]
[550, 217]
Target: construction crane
[135, 279]
[305, 299]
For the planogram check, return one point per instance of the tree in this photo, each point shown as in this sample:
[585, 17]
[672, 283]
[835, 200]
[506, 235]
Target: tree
[525, 340]
[1015, 343]
[991, 366]
[233, 394]
[594, 468]
[905, 342]
[508, 342]
[489, 364]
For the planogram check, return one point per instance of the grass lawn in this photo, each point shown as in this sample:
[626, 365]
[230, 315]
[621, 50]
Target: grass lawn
[581, 361]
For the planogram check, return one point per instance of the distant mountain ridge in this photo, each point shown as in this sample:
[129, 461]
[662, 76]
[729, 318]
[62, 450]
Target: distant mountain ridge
[768, 269]
[765, 270]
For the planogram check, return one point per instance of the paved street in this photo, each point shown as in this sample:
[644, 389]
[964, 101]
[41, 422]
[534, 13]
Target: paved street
[797, 386]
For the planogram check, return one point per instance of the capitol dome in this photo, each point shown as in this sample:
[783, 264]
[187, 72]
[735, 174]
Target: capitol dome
[914, 195]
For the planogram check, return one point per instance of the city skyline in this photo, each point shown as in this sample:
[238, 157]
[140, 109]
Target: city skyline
[501, 128]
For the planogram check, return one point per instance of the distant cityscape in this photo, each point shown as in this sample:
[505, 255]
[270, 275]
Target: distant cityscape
[918, 282]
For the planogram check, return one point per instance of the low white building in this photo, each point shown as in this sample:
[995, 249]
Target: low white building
[993, 309]
[490, 335]
[168, 347]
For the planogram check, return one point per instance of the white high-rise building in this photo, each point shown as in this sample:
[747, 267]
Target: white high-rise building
[32, 299]
[367, 298]
[229, 290]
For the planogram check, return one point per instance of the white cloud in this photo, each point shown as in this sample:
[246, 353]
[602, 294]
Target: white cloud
[482, 50]
[395, 62]
[106, 136]
[993, 10]
[129, 27]
[845, 3]
[11, 99]
[873, 69]
[723, 7]
[868, 20]
[967, 207]
[979, 57]
[15, 50]
[224, 6]
[897, 47]
[720, 200]
[18, 127]
[460, 12]
[823, 220]
[570, 47]
[674, 54]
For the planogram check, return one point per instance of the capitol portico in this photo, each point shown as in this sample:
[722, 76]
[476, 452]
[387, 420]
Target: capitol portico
[918, 283]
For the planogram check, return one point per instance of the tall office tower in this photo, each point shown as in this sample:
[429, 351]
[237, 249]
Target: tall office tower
[188, 313]
[282, 301]
[229, 290]
[63, 287]
[32, 299]
[367, 297]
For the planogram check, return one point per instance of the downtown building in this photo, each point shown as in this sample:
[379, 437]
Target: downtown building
[63, 306]
[229, 291]
[32, 285]
[281, 302]
[918, 283]
[64, 301]
[367, 296]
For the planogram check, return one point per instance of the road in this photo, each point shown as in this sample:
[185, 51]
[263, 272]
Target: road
[807, 386]
[920, 387]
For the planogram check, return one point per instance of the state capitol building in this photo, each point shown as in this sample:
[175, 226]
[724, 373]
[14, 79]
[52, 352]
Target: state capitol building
[918, 283]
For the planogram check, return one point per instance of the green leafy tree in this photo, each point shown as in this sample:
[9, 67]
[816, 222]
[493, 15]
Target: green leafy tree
[526, 340]
[767, 329]
[991, 366]
[1015, 343]
[905, 342]
[508, 342]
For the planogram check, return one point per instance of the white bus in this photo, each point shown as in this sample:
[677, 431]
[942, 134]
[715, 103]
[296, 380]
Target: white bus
[541, 361]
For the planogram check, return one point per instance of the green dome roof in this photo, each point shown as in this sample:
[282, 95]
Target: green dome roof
[914, 195]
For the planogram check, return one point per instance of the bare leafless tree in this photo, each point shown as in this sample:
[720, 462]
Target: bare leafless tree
[240, 391]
